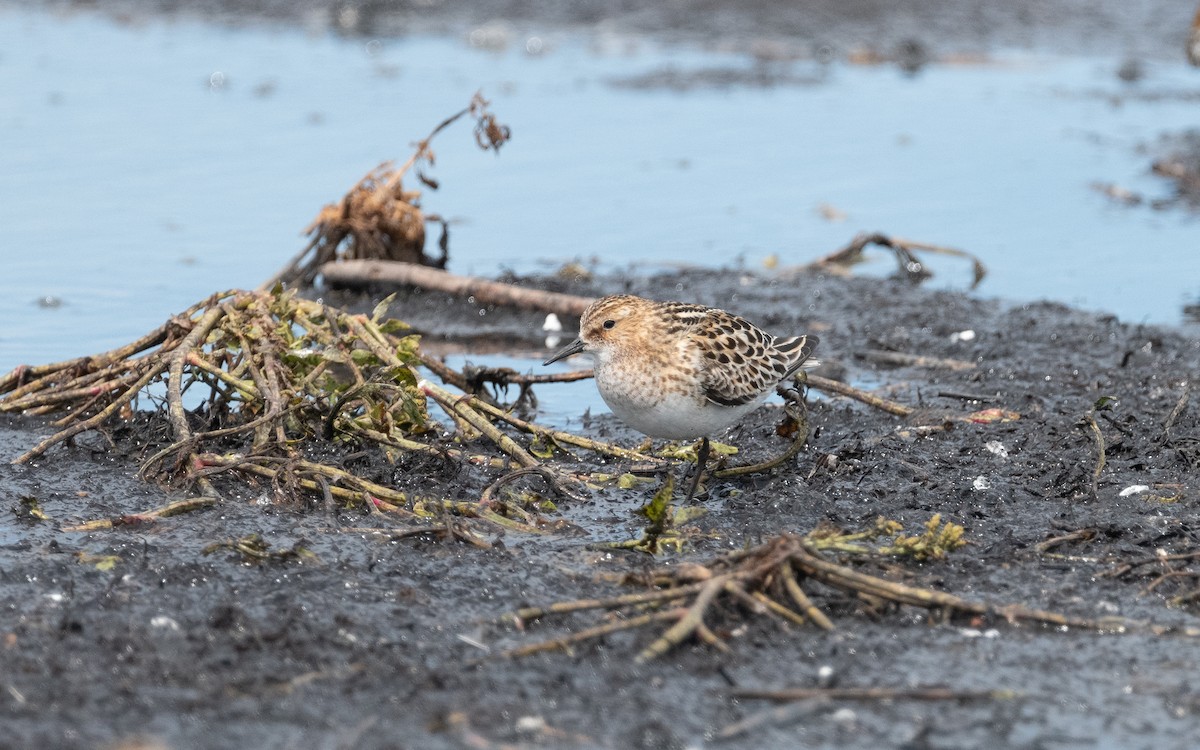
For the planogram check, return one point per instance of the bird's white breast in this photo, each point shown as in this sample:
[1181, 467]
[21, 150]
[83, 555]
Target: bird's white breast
[670, 415]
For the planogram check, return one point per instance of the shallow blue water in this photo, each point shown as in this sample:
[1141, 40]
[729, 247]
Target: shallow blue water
[144, 167]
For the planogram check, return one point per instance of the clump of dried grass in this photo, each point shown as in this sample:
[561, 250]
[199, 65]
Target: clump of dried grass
[382, 219]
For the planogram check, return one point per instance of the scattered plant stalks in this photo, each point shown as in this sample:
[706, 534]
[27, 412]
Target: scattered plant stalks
[1079, 535]
[567, 438]
[253, 548]
[795, 424]
[1177, 572]
[349, 272]
[1089, 421]
[759, 578]
[1180, 405]
[500, 378]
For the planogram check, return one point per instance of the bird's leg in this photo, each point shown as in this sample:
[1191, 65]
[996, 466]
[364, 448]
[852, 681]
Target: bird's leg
[701, 459]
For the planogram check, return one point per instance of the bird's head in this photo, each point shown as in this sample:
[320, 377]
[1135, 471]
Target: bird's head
[605, 325]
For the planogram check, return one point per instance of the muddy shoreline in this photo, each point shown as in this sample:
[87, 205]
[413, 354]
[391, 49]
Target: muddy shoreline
[367, 645]
[138, 637]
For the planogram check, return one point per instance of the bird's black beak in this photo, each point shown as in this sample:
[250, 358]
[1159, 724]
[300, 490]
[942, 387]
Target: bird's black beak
[574, 347]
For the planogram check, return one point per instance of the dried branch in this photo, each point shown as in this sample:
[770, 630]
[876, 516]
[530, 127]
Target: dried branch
[485, 292]
[915, 360]
[135, 519]
[909, 266]
[843, 389]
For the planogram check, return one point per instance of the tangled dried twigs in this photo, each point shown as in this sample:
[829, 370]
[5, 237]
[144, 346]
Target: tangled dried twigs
[1174, 575]
[909, 266]
[255, 383]
[270, 369]
[250, 382]
[770, 580]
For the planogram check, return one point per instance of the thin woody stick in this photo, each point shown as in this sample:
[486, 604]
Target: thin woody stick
[364, 272]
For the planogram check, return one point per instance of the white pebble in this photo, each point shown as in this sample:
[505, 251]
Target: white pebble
[1134, 489]
[844, 716]
[531, 724]
[996, 447]
[164, 622]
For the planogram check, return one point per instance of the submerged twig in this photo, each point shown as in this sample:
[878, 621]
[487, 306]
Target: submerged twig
[909, 266]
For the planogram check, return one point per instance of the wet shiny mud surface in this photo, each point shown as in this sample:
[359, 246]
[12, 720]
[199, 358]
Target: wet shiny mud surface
[110, 636]
[369, 644]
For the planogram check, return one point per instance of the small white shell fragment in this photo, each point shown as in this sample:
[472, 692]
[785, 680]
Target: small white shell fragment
[164, 622]
[1134, 489]
[977, 633]
[531, 724]
[981, 483]
[844, 716]
[996, 447]
[471, 640]
[552, 323]
[967, 335]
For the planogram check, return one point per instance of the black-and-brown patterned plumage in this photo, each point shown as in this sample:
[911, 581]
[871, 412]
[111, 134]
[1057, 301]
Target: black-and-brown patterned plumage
[682, 371]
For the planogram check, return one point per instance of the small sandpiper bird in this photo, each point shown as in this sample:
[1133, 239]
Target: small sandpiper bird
[681, 371]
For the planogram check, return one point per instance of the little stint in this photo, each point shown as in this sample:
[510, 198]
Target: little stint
[681, 371]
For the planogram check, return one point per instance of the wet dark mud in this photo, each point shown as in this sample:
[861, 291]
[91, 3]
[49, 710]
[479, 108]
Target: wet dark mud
[112, 635]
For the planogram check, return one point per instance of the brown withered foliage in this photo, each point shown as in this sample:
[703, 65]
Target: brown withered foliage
[381, 219]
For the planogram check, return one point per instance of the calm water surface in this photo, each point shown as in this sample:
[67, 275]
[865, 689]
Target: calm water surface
[145, 166]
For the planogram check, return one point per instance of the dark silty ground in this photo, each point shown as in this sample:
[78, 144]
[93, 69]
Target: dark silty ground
[369, 644]
[108, 638]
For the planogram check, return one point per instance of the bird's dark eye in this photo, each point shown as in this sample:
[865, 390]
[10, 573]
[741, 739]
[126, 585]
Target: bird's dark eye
[608, 324]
